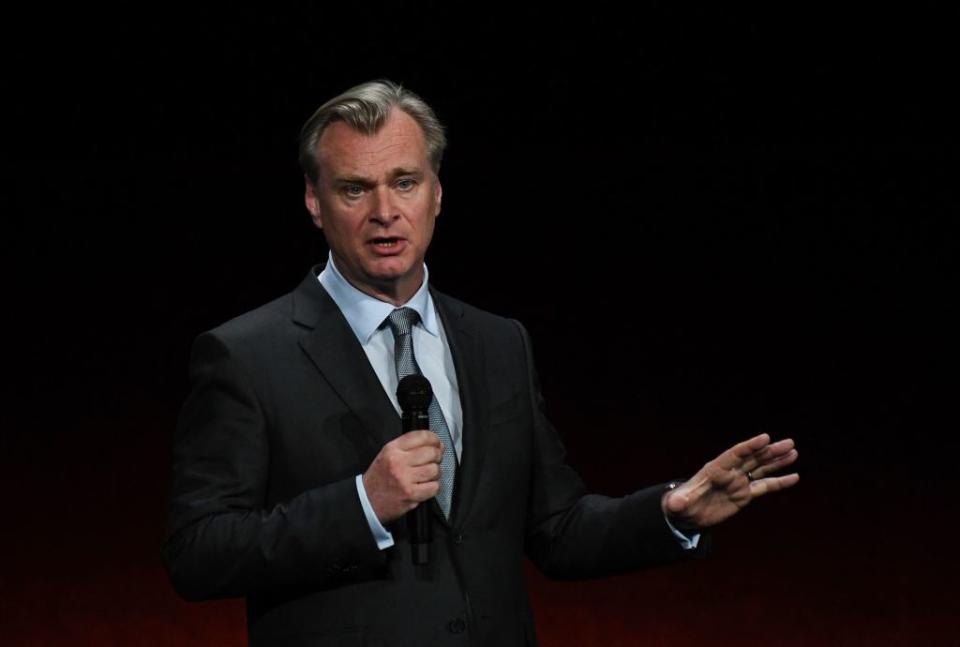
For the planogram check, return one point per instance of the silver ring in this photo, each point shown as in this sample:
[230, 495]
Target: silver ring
[749, 476]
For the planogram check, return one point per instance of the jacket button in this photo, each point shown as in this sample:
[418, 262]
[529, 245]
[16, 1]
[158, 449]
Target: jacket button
[457, 626]
[458, 539]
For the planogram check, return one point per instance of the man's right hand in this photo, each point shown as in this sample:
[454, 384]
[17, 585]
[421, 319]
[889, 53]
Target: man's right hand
[405, 473]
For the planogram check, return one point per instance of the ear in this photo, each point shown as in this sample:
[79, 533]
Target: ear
[312, 201]
[437, 195]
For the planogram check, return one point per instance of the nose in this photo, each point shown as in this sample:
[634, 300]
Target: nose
[383, 210]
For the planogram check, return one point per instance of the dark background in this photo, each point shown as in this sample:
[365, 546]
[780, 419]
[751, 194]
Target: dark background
[714, 222]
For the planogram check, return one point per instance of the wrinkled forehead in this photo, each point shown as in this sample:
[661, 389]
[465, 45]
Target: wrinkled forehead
[399, 142]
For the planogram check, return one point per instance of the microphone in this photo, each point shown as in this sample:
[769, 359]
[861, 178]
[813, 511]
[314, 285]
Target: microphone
[415, 393]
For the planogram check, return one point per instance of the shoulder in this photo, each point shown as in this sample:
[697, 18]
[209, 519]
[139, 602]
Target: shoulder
[243, 342]
[489, 323]
[287, 315]
[261, 321]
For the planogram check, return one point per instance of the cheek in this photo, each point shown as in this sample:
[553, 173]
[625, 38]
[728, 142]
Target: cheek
[428, 231]
[345, 225]
[429, 217]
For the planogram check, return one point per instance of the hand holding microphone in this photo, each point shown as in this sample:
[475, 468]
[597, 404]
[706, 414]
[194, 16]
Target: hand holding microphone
[406, 472]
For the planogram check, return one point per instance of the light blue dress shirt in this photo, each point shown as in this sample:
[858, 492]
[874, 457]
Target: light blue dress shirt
[366, 316]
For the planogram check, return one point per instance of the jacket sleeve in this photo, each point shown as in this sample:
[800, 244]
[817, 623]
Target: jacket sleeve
[222, 539]
[572, 534]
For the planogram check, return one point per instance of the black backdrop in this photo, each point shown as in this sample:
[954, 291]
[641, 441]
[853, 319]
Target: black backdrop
[740, 220]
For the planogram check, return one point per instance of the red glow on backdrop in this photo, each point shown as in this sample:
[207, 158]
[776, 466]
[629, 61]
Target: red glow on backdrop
[791, 575]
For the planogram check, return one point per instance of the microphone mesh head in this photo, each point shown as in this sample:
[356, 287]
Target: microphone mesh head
[414, 392]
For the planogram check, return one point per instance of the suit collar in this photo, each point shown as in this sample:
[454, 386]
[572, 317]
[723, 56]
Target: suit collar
[365, 313]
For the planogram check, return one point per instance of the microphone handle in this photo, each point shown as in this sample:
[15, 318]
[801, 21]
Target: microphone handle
[418, 519]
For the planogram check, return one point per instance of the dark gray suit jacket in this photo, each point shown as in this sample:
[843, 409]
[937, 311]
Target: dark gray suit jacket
[286, 410]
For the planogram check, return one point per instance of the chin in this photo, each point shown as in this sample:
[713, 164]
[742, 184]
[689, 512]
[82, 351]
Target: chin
[391, 268]
[393, 277]
[385, 272]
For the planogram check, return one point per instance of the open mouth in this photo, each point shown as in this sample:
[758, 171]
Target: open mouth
[385, 242]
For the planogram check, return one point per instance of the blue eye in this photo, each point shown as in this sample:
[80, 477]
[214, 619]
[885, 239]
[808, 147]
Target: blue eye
[406, 185]
[353, 190]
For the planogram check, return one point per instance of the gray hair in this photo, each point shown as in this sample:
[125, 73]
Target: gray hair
[365, 108]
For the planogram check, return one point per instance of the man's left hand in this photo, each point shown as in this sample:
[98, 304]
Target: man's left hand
[725, 485]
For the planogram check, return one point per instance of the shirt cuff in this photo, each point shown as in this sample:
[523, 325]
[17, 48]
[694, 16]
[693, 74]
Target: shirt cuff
[688, 543]
[382, 536]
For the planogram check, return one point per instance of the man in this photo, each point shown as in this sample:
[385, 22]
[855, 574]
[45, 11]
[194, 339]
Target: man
[291, 479]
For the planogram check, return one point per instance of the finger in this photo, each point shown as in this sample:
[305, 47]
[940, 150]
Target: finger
[774, 465]
[769, 454]
[427, 454]
[424, 491]
[773, 484]
[414, 439]
[734, 457]
[426, 473]
[774, 450]
[677, 502]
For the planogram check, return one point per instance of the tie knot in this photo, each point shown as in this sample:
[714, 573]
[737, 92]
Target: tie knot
[402, 320]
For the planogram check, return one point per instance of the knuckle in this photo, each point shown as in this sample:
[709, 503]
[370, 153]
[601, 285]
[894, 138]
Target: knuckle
[396, 470]
[390, 460]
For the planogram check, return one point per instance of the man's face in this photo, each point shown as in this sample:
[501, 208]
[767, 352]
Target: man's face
[376, 200]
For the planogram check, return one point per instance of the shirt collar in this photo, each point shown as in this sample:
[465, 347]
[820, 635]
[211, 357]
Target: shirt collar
[365, 313]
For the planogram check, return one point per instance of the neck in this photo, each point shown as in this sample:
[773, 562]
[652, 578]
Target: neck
[393, 292]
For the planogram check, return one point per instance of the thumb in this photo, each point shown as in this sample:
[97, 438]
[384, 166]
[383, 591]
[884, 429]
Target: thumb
[675, 502]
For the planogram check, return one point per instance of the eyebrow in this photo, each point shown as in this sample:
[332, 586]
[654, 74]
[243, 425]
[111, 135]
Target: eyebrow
[365, 181]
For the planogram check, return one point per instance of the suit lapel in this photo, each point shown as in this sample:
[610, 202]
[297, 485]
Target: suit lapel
[335, 351]
[466, 347]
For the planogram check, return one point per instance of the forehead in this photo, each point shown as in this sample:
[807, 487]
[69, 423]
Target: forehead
[400, 142]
